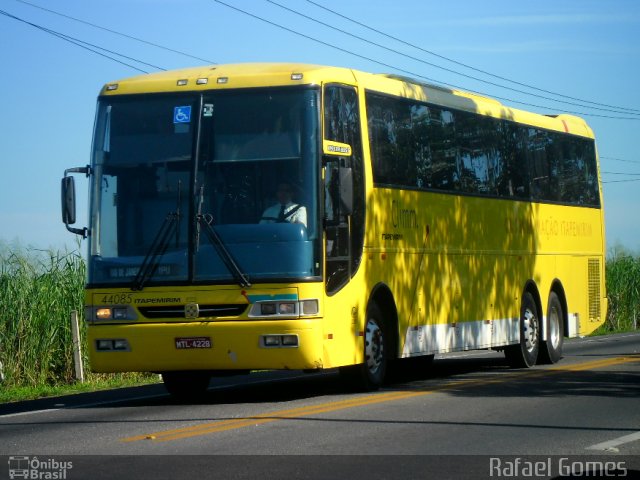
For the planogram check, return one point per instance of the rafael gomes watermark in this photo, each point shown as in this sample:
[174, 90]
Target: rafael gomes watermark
[519, 467]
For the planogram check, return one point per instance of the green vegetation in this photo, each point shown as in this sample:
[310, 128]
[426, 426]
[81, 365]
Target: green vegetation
[38, 290]
[96, 382]
[623, 290]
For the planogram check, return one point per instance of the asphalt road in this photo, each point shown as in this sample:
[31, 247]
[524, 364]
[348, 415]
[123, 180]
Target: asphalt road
[466, 416]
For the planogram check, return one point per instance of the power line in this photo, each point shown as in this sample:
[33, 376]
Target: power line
[87, 46]
[619, 159]
[131, 37]
[626, 174]
[413, 74]
[622, 173]
[466, 65]
[623, 181]
[84, 45]
[77, 42]
[471, 77]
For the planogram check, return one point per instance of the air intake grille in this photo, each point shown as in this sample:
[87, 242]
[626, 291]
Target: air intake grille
[594, 289]
[177, 311]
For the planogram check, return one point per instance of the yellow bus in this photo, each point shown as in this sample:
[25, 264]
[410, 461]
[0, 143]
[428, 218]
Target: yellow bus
[291, 216]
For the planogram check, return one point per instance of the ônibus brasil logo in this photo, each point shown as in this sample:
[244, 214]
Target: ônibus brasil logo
[34, 468]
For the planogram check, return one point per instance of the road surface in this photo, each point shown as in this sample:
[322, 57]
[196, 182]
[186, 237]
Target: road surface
[466, 416]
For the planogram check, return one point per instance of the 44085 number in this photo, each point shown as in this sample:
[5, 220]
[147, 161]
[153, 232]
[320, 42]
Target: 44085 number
[117, 299]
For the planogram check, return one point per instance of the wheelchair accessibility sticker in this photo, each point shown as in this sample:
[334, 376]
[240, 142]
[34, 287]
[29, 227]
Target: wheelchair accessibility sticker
[182, 114]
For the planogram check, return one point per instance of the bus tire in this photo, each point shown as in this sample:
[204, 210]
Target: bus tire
[551, 349]
[186, 385]
[525, 353]
[370, 374]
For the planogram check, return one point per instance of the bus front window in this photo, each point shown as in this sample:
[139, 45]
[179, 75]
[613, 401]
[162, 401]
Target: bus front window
[141, 177]
[254, 145]
[188, 205]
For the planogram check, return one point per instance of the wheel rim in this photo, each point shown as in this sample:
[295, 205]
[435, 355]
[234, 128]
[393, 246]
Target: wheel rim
[554, 328]
[374, 346]
[530, 330]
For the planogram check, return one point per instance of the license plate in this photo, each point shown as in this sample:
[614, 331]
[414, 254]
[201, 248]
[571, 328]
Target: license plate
[193, 342]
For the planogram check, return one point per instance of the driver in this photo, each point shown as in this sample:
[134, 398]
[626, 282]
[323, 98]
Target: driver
[286, 210]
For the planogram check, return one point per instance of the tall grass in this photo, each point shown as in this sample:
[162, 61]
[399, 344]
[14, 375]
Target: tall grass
[623, 290]
[38, 290]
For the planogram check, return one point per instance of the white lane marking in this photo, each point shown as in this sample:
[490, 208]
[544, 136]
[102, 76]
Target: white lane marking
[601, 339]
[32, 412]
[611, 445]
[85, 405]
[146, 397]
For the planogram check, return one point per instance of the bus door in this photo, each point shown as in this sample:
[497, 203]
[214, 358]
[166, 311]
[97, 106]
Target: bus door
[343, 185]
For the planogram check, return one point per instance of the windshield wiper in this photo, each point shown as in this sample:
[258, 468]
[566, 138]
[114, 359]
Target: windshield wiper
[206, 221]
[159, 246]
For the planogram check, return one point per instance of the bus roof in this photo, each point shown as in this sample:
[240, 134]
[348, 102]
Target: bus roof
[247, 75]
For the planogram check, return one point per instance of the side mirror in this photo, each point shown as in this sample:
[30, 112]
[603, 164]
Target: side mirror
[68, 190]
[68, 197]
[346, 191]
[339, 192]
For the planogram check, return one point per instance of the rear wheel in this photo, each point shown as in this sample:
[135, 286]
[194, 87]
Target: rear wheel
[186, 385]
[370, 374]
[525, 353]
[551, 349]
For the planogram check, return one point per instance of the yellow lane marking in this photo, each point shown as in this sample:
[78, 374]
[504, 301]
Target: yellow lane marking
[271, 416]
[253, 420]
[607, 362]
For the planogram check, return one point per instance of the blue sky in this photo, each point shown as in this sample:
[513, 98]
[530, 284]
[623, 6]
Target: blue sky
[587, 49]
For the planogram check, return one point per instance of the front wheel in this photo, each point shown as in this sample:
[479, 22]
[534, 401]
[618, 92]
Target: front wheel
[370, 374]
[525, 353]
[551, 349]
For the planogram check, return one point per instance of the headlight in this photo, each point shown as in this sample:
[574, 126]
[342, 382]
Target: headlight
[309, 307]
[120, 313]
[101, 314]
[288, 309]
[268, 308]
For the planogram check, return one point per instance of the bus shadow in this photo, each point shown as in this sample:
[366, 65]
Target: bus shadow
[465, 377]
[493, 378]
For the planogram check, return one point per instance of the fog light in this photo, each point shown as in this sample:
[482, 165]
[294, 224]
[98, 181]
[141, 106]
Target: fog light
[288, 308]
[289, 340]
[268, 308]
[103, 313]
[271, 340]
[121, 344]
[102, 345]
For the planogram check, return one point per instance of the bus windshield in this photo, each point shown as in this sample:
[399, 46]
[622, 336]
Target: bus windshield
[184, 188]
